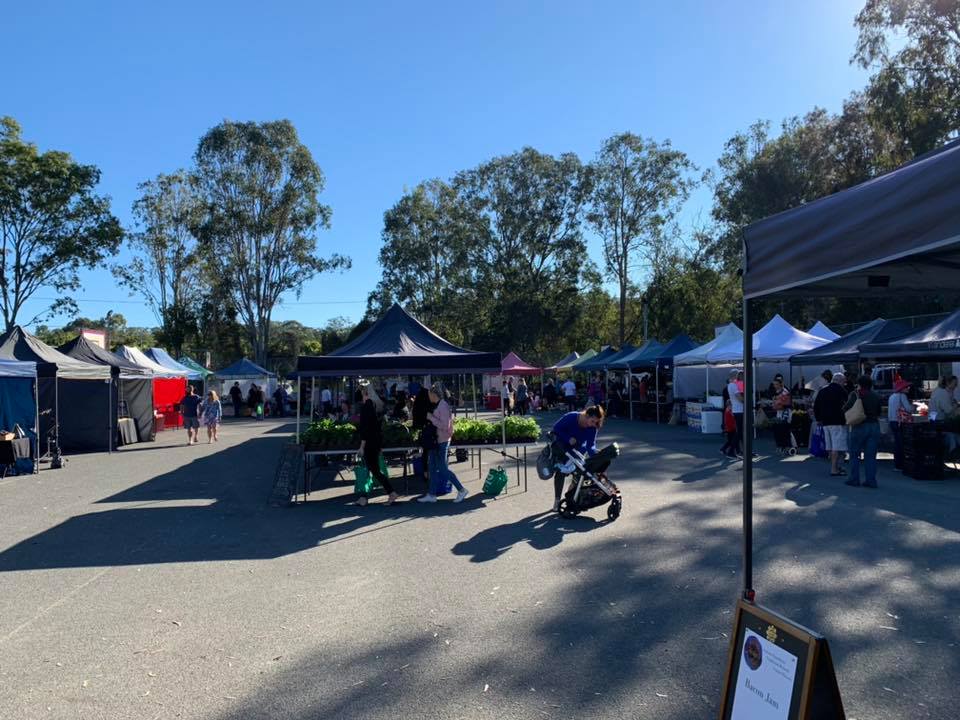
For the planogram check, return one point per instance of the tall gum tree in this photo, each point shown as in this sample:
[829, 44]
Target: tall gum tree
[261, 185]
[52, 224]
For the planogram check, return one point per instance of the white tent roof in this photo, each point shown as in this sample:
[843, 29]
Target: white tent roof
[698, 356]
[18, 368]
[776, 341]
[822, 331]
[137, 357]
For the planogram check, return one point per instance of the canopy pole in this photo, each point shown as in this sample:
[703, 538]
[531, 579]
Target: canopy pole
[749, 382]
[299, 403]
[36, 428]
[656, 382]
[473, 386]
[109, 413]
[313, 390]
[630, 390]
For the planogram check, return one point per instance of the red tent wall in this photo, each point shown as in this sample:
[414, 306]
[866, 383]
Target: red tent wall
[167, 394]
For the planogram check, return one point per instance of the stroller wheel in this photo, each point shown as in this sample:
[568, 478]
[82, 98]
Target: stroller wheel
[613, 512]
[792, 451]
[566, 510]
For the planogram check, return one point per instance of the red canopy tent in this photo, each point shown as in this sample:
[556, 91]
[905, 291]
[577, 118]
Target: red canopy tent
[512, 364]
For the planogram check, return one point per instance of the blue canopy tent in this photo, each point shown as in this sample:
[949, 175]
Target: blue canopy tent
[162, 358]
[246, 372]
[598, 362]
[664, 361]
[18, 404]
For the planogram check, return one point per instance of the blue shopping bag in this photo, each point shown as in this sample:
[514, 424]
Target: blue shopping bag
[818, 443]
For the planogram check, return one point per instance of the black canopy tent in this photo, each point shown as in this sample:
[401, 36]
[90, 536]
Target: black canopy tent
[73, 395]
[397, 344]
[898, 233]
[132, 384]
[938, 343]
[848, 349]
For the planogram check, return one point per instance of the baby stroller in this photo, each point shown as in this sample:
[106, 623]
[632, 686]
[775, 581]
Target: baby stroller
[782, 433]
[590, 487]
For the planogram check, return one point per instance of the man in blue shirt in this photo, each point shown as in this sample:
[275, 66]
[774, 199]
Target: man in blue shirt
[189, 408]
[576, 430]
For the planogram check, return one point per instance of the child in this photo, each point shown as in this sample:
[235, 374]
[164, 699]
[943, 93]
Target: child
[730, 448]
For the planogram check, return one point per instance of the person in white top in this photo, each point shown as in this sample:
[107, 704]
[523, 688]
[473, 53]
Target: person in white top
[943, 406]
[735, 392]
[899, 411]
[570, 394]
[326, 399]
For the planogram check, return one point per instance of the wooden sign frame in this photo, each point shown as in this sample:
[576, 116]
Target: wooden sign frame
[815, 694]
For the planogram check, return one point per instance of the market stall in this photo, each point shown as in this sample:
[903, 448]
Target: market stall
[397, 344]
[246, 373]
[74, 397]
[169, 387]
[18, 407]
[132, 388]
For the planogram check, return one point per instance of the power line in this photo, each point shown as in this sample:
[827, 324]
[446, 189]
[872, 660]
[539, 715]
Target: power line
[142, 302]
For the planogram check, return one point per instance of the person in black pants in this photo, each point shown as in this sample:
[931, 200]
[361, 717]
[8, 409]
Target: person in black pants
[371, 441]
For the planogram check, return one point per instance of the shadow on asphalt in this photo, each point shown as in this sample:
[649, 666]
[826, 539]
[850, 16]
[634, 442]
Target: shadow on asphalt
[541, 532]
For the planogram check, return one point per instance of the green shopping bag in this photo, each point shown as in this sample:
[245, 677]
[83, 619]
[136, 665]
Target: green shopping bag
[363, 482]
[496, 481]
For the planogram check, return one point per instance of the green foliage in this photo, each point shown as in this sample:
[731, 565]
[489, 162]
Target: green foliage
[261, 186]
[329, 435]
[637, 188]
[51, 224]
[396, 434]
[523, 429]
[480, 432]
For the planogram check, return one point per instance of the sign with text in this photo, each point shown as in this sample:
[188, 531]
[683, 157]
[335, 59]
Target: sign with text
[778, 670]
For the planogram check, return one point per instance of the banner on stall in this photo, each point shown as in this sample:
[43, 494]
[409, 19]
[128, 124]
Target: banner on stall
[778, 670]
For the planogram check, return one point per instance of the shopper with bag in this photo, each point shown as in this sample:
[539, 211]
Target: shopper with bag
[899, 411]
[862, 413]
[440, 474]
[371, 442]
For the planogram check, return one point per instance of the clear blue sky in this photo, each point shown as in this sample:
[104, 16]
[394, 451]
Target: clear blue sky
[388, 94]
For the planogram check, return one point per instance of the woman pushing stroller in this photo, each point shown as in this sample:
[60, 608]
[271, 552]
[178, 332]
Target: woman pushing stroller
[576, 430]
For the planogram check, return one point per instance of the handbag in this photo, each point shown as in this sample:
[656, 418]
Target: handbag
[855, 415]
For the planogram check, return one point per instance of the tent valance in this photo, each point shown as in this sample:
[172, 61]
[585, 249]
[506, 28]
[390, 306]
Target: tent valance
[18, 368]
[398, 344]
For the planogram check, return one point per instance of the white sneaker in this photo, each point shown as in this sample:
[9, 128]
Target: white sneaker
[567, 467]
[556, 506]
[427, 498]
[461, 495]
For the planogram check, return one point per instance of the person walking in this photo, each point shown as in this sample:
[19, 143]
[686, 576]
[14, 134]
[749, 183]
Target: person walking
[549, 395]
[828, 409]
[523, 398]
[189, 406]
[899, 411]
[326, 400]
[442, 419]
[729, 448]
[576, 430]
[570, 394]
[211, 412]
[421, 408]
[236, 395]
[864, 437]
[505, 398]
[371, 441]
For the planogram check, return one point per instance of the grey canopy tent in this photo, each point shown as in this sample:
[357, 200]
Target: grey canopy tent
[132, 384]
[898, 233]
[74, 397]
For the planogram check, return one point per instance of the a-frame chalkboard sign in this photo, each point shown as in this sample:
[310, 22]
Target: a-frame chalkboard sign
[778, 670]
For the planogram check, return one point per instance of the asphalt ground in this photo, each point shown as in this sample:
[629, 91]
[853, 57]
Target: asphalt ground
[159, 583]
